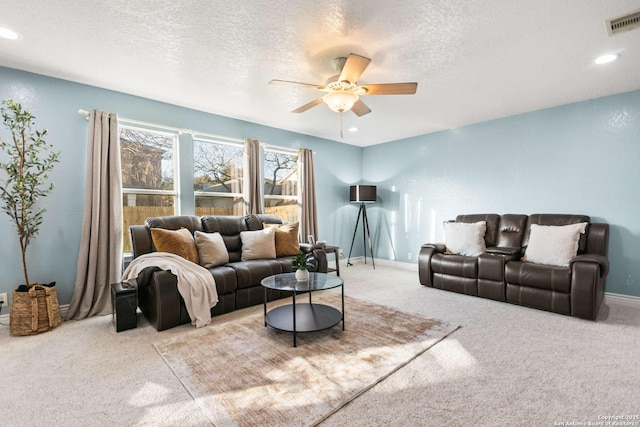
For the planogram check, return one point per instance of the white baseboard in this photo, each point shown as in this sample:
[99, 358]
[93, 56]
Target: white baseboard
[619, 299]
[384, 263]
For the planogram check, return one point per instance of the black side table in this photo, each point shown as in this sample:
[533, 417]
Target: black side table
[335, 250]
[124, 298]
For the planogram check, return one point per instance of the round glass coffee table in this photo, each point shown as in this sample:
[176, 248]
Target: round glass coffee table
[302, 317]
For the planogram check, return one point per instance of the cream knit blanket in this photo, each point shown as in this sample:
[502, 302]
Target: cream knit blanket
[195, 284]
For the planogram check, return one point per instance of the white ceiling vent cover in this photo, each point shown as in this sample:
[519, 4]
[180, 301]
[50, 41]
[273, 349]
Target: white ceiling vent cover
[623, 23]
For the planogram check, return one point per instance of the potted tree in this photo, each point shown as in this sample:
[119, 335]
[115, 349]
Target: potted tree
[301, 262]
[27, 162]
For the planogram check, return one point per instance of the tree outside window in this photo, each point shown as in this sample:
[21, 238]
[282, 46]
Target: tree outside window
[148, 176]
[217, 177]
[281, 184]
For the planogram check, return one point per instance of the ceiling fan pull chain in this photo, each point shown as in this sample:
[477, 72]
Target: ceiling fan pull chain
[341, 126]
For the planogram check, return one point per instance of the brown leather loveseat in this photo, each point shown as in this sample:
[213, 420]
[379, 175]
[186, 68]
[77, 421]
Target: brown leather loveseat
[237, 282]
[500, 272]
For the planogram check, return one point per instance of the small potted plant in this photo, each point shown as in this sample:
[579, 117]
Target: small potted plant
[301, 263]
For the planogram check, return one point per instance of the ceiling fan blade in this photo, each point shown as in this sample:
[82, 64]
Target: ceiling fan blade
[391, 89]
[354, 67]
[308, 105]
[360, 108]
[297, 84]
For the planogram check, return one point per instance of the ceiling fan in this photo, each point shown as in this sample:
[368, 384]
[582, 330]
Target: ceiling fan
[343, 93]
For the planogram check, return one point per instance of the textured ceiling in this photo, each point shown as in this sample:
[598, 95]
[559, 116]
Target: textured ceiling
[473, 60]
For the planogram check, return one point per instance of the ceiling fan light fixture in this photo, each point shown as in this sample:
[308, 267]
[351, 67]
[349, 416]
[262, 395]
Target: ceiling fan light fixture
[343, 93]
[340, 100]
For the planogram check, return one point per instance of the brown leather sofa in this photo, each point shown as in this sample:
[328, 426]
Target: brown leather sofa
[500, 274]
[237, 283]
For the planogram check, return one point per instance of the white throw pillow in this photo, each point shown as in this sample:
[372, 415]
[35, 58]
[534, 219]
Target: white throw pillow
[259, 244]
[553, 244]
[211, 249]
[463, 238]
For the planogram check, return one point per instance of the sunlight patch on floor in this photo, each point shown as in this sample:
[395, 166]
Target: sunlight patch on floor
[454, 358]
[149, 394]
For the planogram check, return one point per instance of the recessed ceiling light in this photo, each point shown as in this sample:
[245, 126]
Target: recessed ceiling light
[353, 129]
[605, 59]
[8, 34]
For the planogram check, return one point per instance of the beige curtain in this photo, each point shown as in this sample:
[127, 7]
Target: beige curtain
[100, 257]
[308, 212]
[252, 177]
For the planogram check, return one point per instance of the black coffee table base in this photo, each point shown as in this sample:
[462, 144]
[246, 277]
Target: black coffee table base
[309, 317]
[302, 316]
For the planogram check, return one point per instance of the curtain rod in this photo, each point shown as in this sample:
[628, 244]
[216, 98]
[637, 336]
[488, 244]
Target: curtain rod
[86, 113]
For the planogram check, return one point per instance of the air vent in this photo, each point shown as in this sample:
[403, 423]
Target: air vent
[623, 23]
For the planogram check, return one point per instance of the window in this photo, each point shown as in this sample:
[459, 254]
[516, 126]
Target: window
[281, 184]
[148, 176]
[150, 171]
[217, 177]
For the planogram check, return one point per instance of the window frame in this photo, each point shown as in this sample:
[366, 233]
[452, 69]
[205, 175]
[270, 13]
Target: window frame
[297, 197]
[175, 193]
[199, 193]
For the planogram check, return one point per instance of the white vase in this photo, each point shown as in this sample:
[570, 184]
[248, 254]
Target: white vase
[302, 275]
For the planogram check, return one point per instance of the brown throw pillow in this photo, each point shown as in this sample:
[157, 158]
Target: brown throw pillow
[179, 242]
[286, 238]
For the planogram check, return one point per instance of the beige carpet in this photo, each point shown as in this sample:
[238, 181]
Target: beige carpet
[506, 366]
[243, 374]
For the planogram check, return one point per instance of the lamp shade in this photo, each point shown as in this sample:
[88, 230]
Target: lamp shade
[362, 193]
[340, 101]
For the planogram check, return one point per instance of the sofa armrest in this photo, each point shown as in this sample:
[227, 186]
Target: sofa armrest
[159, 299]
[140, 240]
[425, 272]
[437, 247]
[588, 272]
[308, 248]
[318, 258]
[600, 260]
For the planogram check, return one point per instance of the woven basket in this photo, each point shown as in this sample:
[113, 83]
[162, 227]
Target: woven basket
[34, 311]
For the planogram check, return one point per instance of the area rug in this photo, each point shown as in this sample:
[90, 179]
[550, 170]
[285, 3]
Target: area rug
[242, 373]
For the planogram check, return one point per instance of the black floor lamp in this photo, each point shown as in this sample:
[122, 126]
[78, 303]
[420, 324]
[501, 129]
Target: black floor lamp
[362, 194]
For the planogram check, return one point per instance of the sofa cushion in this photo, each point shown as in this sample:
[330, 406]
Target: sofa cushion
[455, 265]
[226, 279]
[553, 245]
[286, 238]
[179, 242]
[464, 238]
[250, 273]
[211, 249]
[547, 277]
[255, 222]
[511, 230]
[258, 244]
[175, 222]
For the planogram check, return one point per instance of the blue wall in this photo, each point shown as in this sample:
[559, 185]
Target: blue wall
[55, 103]
[579, 158]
